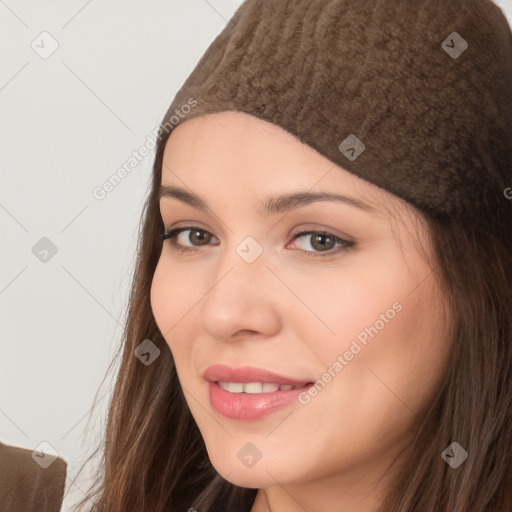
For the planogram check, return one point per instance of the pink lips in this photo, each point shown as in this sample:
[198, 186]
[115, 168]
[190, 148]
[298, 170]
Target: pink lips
[248, 374]
[249, 406]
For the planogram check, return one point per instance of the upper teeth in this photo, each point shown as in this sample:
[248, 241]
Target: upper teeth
[254, 387]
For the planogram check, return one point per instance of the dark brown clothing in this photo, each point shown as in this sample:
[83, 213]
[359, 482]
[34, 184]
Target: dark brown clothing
[25, 486]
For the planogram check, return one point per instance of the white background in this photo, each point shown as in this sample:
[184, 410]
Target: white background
[68, 122]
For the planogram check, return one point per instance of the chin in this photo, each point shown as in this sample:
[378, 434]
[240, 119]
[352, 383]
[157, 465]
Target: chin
[255, 477]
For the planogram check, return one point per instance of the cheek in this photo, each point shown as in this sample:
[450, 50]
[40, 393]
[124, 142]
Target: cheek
[362, 301]
[172, 296]
[159, 297]
[390, 347]
[412, 359]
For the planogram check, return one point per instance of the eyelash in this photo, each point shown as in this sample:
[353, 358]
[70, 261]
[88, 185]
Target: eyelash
[347, 244]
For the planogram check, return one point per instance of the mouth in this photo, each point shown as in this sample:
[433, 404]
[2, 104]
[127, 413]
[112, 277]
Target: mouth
[253, 388]
[249, 393]
[248, 403]
[250, 379]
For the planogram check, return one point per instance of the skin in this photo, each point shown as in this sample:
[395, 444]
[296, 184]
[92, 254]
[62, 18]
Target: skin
[295, 315]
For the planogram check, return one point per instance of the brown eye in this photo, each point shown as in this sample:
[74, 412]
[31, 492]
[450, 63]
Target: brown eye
[323, 242]
[196, 238]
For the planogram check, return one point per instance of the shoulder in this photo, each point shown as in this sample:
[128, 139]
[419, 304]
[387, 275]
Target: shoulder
[26, 484]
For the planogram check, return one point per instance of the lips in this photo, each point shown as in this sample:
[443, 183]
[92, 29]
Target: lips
[248, 374]
[235, 392]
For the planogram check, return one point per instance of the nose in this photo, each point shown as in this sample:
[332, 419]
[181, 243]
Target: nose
[243, 299]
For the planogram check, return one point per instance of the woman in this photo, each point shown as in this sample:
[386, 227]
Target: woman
[320, 314]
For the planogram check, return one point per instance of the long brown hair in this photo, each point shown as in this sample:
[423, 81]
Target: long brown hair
[153, 458]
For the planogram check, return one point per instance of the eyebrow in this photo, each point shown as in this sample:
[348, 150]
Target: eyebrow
[272, 205]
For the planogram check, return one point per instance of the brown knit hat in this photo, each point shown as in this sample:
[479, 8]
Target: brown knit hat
[412, 96]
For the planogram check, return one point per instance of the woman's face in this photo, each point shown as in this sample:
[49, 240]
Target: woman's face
[359, 315]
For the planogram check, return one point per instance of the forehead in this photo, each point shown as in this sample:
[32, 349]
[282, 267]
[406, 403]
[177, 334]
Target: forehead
[232, 133]
[230, 147]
